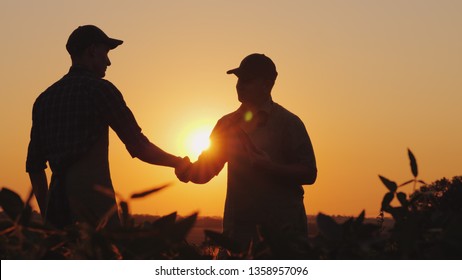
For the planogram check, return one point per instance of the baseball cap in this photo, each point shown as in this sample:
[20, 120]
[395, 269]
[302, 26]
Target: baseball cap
[86, 35]
[255, 66]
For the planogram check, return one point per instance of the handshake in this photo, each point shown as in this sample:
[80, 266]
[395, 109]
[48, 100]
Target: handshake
[183, 169]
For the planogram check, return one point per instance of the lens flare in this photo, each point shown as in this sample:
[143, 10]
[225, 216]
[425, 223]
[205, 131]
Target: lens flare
[248, 116]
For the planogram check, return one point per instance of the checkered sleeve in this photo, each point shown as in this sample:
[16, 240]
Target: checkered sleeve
[35, 157]
[120, 118]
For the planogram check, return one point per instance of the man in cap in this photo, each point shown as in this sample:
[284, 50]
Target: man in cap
[70, 126]
[269, 156]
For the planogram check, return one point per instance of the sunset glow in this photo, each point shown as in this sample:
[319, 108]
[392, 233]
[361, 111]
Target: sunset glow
[197, 141]
[369, 79]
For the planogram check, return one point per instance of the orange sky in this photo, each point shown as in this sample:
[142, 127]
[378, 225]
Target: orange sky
[368, 78]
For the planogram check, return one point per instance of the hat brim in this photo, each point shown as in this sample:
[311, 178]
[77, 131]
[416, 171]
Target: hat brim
[233, 71]
[114, 43]
[239, 72]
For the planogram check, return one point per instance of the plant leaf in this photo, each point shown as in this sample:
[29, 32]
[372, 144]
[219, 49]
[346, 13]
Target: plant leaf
[150, 191]
[164, 221]
[360, 218]
[387, 199]
[402, 199]
[108, 192]
[391, 186]
[125, 212]
[182, 227]
[398, 213]
[329, 228]
[105, 218]
[11, 203]
[413, 161]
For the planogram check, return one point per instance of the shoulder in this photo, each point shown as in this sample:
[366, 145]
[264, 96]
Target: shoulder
[225, 122]
[105, 85]
[285, 115]
[47, 94]
[228, 118]
[86, 82]
[105, 90]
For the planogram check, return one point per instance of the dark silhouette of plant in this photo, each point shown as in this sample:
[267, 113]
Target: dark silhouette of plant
[23, 238]
[427, 225]
[393, 187]
[273, 243]
[353, 239]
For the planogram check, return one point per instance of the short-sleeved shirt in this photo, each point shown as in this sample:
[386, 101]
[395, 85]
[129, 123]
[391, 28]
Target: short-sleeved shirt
[255, 196]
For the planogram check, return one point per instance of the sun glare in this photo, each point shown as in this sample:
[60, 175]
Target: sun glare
[197, 141]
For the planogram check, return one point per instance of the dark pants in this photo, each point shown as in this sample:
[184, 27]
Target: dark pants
[58, 212]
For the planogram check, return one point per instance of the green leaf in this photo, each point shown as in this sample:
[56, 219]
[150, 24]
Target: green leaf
[11, 203]
[413, 161]
[402, 199]
[387, 199]
[391, 186]
[150, 191]
[329, 228]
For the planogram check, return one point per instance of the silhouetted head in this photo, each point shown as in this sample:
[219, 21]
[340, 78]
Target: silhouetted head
[89, 45]
[256, 76]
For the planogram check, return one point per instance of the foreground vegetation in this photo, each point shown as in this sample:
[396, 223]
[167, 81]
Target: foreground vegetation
[427, 225]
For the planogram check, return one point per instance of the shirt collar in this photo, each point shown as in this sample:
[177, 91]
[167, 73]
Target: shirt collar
[80, 70]
[255, 117]
[265, 107]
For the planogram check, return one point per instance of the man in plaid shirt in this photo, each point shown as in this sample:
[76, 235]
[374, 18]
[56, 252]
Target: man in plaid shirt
[70, 128]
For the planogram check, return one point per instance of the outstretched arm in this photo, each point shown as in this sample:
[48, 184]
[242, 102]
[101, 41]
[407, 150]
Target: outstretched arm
[211, 161]
[209, 164]
[199, 172]
[152, 154]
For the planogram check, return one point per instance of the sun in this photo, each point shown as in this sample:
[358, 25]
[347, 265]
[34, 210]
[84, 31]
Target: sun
[197, 141]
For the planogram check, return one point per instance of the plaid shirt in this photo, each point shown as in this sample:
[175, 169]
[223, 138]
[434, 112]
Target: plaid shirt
[72, 115]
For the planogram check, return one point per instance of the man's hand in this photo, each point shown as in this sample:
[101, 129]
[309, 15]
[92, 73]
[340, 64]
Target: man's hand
[259, 158]
[182, 170]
